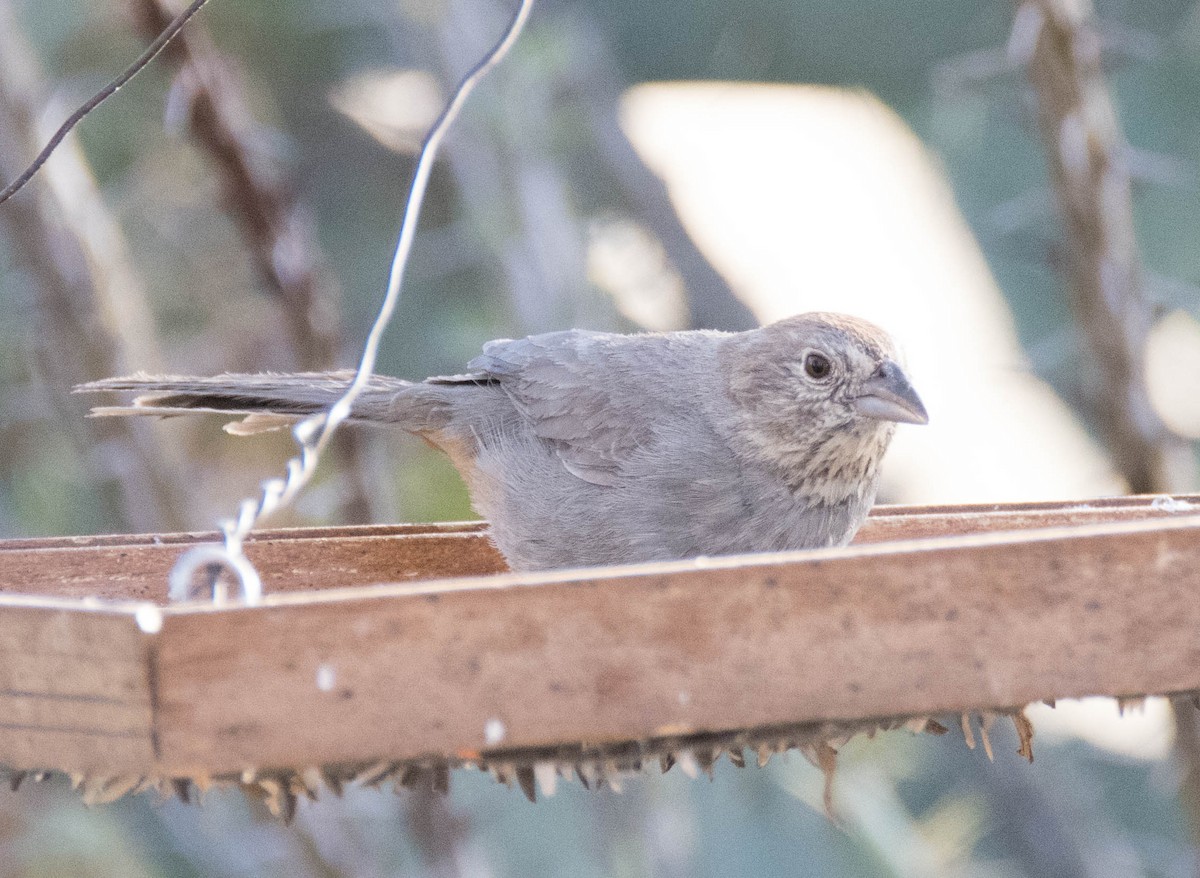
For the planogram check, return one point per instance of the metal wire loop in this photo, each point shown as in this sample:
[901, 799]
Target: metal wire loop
[183, 574]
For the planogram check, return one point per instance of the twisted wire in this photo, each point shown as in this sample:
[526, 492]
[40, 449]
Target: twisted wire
[314, 432]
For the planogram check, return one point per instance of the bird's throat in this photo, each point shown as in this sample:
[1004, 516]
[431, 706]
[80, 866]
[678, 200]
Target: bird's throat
[843, 467]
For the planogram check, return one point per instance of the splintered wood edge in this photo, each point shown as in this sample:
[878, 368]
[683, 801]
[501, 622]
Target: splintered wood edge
[595, 766]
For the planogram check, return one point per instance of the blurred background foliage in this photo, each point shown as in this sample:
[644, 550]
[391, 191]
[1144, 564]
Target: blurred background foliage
[133, 252]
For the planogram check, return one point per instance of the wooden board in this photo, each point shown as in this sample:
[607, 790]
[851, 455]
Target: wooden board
[307, 559]
[349, 670]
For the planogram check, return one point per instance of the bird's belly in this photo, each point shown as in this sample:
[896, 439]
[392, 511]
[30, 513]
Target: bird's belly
[546, 518]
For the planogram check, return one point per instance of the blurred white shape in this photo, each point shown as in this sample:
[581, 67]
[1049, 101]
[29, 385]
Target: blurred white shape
[547, 777]
[396, 107]
[494, 732]
[149, 618]
[628, 262]
[1145, 732]
[1167, 503]
[815, 198]
[1173, 372]
[1023, 38]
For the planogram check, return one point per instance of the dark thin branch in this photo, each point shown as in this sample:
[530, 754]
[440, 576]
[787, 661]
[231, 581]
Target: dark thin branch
[168, 34]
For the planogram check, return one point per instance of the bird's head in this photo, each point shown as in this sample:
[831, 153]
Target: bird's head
[817, 397]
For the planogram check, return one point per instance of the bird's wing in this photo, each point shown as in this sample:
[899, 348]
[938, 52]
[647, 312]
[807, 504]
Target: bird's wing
[571, 388]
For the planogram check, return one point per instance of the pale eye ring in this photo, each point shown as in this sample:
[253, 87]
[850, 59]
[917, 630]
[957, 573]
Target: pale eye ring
[817, 366]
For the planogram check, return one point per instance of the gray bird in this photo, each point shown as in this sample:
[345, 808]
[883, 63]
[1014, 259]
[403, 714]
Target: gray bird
[590, 448]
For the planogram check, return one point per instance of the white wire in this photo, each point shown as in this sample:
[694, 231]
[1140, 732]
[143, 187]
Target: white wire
[314, 432]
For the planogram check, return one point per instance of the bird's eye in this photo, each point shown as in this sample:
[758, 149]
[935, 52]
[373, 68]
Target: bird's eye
[817, 366]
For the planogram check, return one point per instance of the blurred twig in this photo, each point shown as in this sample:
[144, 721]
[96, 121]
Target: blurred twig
[438, 833]
[504, 164]
[278, 232]
[594, 83]
[522, 156]
[279, 235]
[1085, 154]
[1087, 159]
[92, 317]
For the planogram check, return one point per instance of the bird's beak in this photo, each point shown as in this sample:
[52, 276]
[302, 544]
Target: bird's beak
[888, 396]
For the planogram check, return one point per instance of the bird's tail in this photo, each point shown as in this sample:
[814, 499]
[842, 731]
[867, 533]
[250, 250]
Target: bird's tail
[269, 401]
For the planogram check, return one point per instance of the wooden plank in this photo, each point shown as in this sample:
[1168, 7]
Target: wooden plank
[923, 627]
[75, 691]
[264, 535]
[915, 522]
[342, 675]
[292, 561]
[135, 567]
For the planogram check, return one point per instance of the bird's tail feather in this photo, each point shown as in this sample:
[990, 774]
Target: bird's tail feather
[268, 400]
